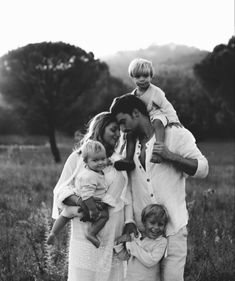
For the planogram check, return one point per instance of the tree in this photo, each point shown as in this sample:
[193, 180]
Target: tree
[8, 124]
[216, 73]
[47, 82]
[96, 99]
[187, 96]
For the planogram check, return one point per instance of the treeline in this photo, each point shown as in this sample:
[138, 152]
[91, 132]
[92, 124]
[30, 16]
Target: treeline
[51, 87]
[200, 84]
[170, 56]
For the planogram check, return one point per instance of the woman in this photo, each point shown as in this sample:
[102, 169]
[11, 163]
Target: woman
[86, 262]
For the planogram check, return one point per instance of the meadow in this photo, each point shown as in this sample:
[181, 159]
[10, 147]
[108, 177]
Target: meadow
[28, 176]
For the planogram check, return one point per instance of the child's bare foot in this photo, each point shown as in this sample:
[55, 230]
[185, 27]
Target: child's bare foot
[93, 239]
[124, 165]
[51, 239]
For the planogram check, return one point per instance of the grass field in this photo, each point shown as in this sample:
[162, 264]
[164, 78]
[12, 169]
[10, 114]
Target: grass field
[28, 176]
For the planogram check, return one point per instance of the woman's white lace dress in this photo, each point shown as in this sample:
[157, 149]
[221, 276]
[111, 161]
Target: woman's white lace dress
[86, 262]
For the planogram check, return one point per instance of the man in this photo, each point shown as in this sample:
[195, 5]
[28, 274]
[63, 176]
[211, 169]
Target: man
[161, 183]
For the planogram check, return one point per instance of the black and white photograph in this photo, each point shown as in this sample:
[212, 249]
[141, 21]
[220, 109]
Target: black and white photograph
[117, 140]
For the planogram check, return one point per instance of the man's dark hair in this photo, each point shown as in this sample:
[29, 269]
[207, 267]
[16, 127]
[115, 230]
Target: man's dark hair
[126, 104]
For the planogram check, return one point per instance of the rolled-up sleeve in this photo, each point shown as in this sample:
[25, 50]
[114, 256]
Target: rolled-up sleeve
[187, 148]
[202, 168]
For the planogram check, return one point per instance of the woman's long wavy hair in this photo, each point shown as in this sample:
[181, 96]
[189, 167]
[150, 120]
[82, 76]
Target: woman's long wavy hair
[95, 129]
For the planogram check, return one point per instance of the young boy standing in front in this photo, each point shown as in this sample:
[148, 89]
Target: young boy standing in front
[145, 252]
[161, 111]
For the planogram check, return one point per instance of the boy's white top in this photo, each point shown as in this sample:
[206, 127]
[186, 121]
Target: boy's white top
[89, 183]
[144, 257]
[157, 104]
[148, 251]
[74, 167]
[163, 183]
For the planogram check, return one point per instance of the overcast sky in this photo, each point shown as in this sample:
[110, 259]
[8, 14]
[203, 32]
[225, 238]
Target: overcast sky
[107, 26]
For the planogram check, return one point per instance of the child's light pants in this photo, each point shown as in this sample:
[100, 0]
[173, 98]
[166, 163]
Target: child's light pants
[172, 265]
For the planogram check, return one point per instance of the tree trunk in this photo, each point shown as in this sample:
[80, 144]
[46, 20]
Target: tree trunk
[54, 148]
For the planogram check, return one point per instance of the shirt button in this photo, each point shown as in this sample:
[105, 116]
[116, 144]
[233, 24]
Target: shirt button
[140, 167]
[151, 195]
[148, 180]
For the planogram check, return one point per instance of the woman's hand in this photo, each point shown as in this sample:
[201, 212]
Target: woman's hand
[94, 214]
[86, 216]
[75, 200]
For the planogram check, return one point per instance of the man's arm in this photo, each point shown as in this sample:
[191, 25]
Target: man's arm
[186, 156]
[188, 166]
[130, 226]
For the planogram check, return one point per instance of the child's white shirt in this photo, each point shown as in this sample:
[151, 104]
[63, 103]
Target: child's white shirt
[118, 194]
[89, 183]
[157, 104]
[148, 251]
[145, 256]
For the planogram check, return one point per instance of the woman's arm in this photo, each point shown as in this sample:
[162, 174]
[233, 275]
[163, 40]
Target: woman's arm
[64, 187]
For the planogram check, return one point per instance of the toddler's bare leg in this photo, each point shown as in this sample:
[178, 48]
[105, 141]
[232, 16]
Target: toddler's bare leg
[58, 225]
[159, 130]
[127, 164]
[96, 227]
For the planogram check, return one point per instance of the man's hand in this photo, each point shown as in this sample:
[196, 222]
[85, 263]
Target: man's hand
[123, 238]
[130, 228]
[186, 165]
[161, 149]
[156, 158]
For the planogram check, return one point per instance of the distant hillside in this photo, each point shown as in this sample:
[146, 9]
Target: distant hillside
[165, 56]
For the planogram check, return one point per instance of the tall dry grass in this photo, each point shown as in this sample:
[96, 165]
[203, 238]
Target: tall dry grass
[28, 176]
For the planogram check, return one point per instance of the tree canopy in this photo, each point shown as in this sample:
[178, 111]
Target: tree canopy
[54, 86]
[217, 74]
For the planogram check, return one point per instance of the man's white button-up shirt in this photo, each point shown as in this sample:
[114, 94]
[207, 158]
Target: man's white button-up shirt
[163, 183]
